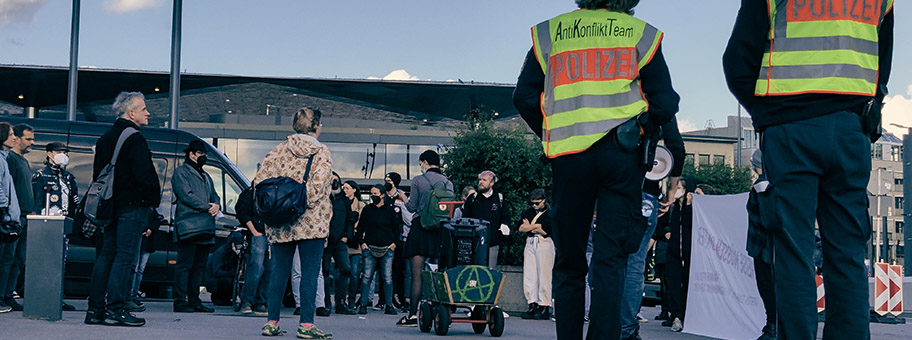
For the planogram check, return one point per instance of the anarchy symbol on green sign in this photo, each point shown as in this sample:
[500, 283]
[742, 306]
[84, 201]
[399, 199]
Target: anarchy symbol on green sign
[474, 281]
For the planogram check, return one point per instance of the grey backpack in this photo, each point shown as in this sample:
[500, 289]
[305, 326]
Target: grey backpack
[98, 206]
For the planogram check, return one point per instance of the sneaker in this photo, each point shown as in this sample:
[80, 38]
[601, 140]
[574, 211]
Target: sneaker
[344, 310]
[390, 310]
[198, 307]
[408, 321]
[312, 333]
[667, 322]
[11, 302]
[246, 308]
[380, 306]
[68, 307]
[5, 309]
[362, 310]
[94, 317]
[131, 306]
[297, 311]
[182, 307]
[323, 311]
[123, 318]
[529, 314]
[677, 325]
[260, 310]
[271, 329]
[137, 301]
[641, 319]
[544, 313]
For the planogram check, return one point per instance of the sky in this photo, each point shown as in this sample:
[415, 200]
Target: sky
[480, 40]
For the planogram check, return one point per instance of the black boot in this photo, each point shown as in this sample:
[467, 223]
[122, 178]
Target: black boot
[544, 313]
[533, 307]
[769, 332]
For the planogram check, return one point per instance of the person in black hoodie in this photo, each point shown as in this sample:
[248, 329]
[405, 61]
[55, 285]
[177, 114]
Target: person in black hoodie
[137, 192]
[341, 227]
[678, 252]
[488, 205]
[379, 228]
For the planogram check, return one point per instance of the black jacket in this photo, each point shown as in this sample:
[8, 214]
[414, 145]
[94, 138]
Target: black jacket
[343, 219]
[244, 210]
[136, 181]
[544, 220]
[378, 226]
[492, 209]
[22, 179]
[743, 58]
[51, 180]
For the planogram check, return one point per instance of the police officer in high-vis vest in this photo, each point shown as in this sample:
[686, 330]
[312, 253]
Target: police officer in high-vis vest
[812, 74]
[593, 80]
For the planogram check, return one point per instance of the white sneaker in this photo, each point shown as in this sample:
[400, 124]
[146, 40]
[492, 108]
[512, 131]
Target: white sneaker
[677, 325]
[641, 319]
[506, 316]
[5, 309]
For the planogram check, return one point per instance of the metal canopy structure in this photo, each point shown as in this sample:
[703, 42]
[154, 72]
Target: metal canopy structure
[45, 86]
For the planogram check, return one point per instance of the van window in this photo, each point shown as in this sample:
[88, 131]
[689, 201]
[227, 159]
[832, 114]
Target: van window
[226, 188]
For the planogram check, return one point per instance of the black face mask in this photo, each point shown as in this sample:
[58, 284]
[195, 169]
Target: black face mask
[388, 187]
[375, 199]
[336, 185]
[201, 160]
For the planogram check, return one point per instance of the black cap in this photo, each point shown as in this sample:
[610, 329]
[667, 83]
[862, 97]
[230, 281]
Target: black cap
[395, 177]
[56, 146]
[196, 145]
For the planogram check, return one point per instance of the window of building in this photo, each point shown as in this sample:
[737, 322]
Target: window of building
[704, 160]
[896, 153]
[898, 181]
[897, 203]
[689, 159]
[899, 227]
[719, 159]
[877, 151]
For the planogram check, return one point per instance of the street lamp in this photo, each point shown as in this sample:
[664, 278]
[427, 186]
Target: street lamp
[907, 192]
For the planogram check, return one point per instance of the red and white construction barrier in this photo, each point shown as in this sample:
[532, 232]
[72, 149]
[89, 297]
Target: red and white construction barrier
[888, 289]
[821, 294]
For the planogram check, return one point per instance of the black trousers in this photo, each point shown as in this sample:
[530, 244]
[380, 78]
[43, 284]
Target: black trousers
[608, 180]
[188, 272]
[764, 276]
[818, 170]
[677, 266]
[338, 252]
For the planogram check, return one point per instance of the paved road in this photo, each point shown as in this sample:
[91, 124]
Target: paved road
[226, 324]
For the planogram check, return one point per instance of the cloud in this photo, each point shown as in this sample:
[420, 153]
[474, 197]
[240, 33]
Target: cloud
[685, 125]
[399, 75]
[898, 110]
[19, 11]
[14, 42]
[124, 6]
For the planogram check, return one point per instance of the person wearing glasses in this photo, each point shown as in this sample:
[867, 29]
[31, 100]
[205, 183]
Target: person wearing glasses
[538, 257]
[194, 232]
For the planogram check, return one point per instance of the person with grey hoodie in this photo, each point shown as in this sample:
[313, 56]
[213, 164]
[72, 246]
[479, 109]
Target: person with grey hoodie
[9, 211]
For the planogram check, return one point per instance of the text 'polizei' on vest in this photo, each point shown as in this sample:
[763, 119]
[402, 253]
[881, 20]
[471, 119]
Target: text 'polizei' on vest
[595, 64]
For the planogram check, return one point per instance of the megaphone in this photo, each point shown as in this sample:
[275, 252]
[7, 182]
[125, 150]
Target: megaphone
[661, 165]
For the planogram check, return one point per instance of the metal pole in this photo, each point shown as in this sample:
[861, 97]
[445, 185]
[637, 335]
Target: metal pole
[738, 157]
[873, 232]
[175, 63]
[907, 204]
[885, 249]
[74, 54]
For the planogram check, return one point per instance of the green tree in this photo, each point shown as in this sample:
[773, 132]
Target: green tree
[515, 159]
[724, 178]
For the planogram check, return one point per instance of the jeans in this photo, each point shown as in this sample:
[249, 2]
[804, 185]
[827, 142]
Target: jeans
[320, 299]
[310, 253]
[188, 272]
[7, 257]
[113, 274]
[818, 170]
[140, 268]
[17, 270]
[339, 253]
[386, 273]
[354, 285]
[256, 281]
[606, 179]
[636, 266]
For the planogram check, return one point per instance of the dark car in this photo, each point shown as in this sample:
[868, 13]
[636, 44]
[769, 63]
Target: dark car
[166, 146]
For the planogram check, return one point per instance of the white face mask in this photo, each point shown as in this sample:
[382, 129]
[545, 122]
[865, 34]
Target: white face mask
[61, 159]
[679, 194]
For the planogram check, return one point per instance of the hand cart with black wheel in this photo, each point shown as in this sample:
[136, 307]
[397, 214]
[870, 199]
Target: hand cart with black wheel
[462, 280]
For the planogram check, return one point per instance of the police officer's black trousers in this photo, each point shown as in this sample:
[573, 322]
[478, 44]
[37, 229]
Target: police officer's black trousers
[819, 169]
[611, 177]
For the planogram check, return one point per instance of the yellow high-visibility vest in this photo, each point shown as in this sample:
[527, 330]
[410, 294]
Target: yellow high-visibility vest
[822, 46]
[592, 61]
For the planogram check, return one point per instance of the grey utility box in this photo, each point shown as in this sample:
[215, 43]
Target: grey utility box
[44, 266]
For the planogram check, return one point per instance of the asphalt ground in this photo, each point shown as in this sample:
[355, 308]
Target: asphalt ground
[162, 323]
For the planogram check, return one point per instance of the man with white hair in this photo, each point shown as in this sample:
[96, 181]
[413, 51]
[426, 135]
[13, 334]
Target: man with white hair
[485, 204]
[136, 195]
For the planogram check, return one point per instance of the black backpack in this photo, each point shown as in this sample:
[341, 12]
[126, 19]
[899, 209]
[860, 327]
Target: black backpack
[281, 201]
[98, 207]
